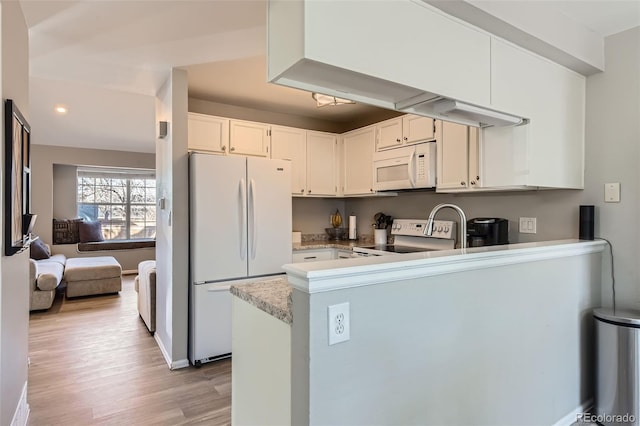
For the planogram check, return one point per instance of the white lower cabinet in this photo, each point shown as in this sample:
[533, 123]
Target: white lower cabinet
[313, 255]
[261, 373]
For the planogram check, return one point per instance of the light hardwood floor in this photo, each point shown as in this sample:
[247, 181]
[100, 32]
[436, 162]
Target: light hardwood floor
[93, 362]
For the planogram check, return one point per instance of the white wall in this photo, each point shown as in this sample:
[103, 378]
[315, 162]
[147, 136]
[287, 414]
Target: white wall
[172, 233]
[14, 270]
[501, 345]
[612, 155]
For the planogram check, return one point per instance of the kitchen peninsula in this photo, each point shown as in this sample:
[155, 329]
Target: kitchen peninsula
[475, 336]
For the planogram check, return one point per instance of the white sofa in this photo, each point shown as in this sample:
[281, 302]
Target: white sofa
[145, 285]
[44, 278]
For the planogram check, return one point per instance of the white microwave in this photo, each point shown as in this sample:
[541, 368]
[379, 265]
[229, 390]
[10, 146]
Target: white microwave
[409, 167]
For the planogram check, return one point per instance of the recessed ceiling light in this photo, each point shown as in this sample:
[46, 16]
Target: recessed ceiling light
[61, 109]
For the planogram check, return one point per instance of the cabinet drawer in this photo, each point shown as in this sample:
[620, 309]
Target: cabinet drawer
[312, 255]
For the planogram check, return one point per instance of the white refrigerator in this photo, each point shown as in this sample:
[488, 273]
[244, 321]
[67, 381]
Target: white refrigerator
[240, 229]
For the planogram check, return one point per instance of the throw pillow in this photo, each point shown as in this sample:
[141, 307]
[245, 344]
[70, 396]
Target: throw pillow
[90, 232]
[39, 250]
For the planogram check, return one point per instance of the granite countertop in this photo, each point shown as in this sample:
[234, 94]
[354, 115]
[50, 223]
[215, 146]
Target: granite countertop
[273, 296]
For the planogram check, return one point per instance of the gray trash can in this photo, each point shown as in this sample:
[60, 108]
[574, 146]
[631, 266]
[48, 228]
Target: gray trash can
[617, 398]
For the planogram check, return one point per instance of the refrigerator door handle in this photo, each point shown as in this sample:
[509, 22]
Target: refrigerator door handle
[252, 217]
[243, 217]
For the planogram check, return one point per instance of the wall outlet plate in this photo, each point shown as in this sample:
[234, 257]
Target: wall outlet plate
[612, 192]
[339, 323]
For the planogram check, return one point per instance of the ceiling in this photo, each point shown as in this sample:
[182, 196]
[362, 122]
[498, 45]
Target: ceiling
[130, 46]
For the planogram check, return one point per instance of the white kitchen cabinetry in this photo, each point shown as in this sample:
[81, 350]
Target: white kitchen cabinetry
[344, 254]
[404, 130]
[457, 154]
[248, 138]
[313, 255]
[549, 151]
[389, 133]
[417, 129]
[261, 376]
[207, 133]
[366, 57]
[358, 149]
[321, 164]
[288, 143]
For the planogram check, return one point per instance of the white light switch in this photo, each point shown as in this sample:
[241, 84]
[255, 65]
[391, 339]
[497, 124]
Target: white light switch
[527, 225]
[612, 192]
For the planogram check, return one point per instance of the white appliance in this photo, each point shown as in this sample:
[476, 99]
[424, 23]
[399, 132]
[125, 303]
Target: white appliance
[240, 228]
[409, 238]
[409, 167]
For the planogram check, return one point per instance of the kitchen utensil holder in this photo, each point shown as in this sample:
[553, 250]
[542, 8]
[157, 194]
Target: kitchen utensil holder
[380, 236]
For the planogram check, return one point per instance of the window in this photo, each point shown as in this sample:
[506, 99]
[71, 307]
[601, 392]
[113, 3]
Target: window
[123, 200]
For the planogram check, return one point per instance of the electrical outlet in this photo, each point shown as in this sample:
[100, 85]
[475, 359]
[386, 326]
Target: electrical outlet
[339, 330]
[527, 225]
[612, 192]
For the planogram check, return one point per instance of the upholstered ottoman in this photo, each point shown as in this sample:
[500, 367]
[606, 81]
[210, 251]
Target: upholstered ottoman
[92, 275]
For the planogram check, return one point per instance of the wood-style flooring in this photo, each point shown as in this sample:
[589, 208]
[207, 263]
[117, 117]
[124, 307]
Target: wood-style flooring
[93, 362]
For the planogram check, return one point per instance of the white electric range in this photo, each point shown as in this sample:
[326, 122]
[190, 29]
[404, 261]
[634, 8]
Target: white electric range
[409, 238]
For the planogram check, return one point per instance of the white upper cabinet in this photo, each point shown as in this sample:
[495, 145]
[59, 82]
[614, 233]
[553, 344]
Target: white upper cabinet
[550, 149]
[379, 52]
[321, 164]
[358, 148]
[458, 158]
[207, 133]
[453, 156]
[404, 130]
[248, 138]
[417, 129]
[389, 133]
[288, 143]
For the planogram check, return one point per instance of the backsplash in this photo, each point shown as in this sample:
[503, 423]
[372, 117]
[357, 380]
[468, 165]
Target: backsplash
[556, 211]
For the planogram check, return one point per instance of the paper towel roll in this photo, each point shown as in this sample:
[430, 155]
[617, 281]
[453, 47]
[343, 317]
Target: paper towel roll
[352, 228]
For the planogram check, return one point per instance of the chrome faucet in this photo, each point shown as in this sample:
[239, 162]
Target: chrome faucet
[428, 231]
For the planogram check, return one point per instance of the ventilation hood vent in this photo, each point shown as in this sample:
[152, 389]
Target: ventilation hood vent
[458, 112]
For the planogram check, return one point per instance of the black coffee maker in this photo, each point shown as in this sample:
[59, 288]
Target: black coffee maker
[487, 231]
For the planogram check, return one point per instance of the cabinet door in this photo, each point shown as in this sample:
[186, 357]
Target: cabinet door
[207, 133]
[290, 144]
[417, 129]
[321, 164]
[359, 146]
[389, 133]
[248, 138]
[474, 158]
[453, 155]
[550, 149]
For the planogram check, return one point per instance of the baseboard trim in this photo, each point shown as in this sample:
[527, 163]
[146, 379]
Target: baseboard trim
[21, 416]
[572, 417]
[173, 365]
[181, 363]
